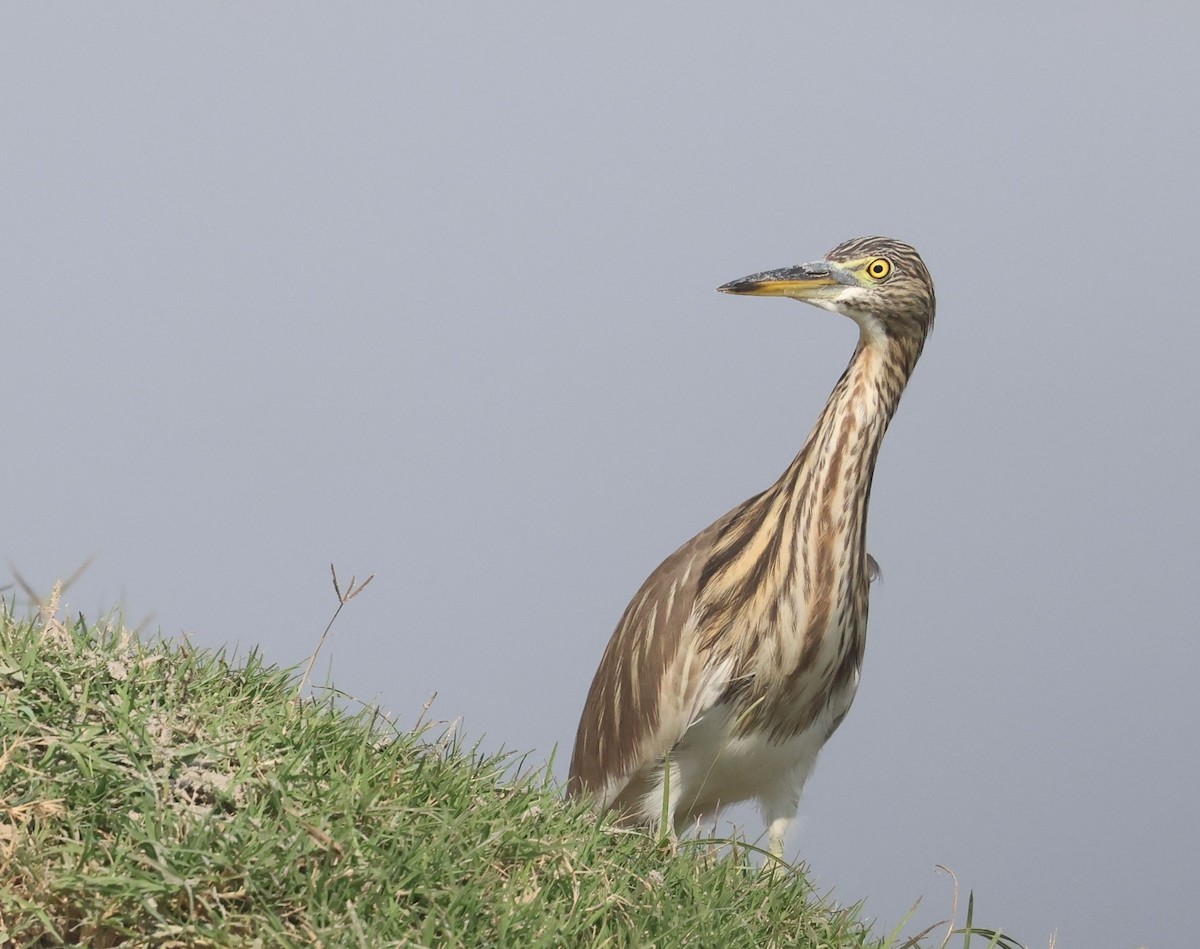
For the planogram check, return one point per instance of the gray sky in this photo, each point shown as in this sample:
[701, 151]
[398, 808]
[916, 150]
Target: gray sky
[429, 294]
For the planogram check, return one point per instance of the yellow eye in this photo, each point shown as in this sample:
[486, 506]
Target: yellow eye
[879, 268]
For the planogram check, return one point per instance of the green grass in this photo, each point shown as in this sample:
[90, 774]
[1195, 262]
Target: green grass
[152, 794]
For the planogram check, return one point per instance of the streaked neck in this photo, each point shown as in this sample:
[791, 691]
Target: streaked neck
[842, 447]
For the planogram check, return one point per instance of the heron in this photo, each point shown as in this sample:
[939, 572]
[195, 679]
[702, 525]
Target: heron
[741, 653]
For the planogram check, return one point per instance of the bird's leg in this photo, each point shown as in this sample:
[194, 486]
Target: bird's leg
[779, 810]
[776, 834]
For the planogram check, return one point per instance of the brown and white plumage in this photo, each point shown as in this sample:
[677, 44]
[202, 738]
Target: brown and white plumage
[740, 655]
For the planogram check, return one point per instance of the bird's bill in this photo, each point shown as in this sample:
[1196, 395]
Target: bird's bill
[817, 281]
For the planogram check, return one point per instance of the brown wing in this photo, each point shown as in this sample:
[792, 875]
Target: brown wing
[644, 695]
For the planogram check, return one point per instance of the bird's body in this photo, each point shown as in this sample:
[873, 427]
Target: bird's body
[740, 655]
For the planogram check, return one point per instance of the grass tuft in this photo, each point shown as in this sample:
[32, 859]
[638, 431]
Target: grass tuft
[152, 794]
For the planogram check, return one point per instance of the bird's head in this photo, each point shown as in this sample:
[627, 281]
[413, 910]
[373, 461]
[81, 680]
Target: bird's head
[880, 283]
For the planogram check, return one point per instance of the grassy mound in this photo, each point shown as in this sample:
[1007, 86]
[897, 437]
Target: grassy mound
[156, 795]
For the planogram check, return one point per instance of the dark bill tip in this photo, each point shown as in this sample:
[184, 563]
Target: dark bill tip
[745, 285]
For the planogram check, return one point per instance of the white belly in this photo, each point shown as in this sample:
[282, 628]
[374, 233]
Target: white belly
[713, 766]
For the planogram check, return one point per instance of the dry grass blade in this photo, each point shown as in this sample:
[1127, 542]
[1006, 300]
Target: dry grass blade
[63, 585]
[953, 904]
[343, 598]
